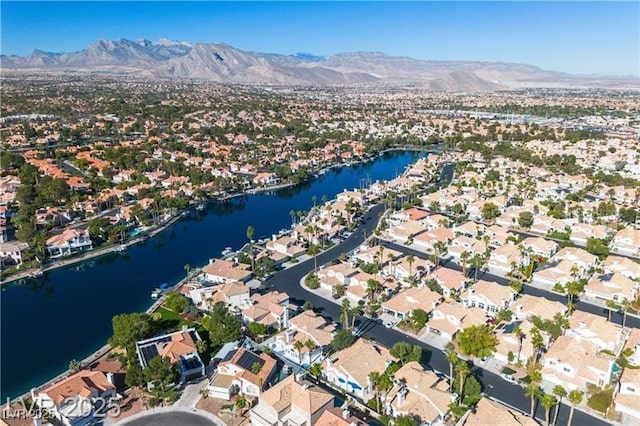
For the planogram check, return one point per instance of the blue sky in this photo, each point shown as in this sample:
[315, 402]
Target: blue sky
[577, 37]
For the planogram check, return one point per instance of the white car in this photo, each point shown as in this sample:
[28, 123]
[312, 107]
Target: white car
[389, 324]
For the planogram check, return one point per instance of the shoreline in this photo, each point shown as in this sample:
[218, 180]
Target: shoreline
[26, 274]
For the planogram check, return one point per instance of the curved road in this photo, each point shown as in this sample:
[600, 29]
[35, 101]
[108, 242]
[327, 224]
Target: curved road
[289, 281]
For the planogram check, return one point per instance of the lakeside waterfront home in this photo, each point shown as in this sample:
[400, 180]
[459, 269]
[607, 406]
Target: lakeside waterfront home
[573, 363]
[349, 368]
[291, 402]
[181, 349]
[74, 400]
[244, 372]
[68, 242]
[418, 393]
[11, 253]
[234, 295]
[222, 271]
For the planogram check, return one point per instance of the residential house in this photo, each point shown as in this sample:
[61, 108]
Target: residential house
[490, 412]
[234, 295]
[463, 243]
[243, 372]
[470, 229]
[291, 402]
[406, 215]
[513, 347]
[573, 363]
[597, 330]
[488, 296]
[271, 309]
[449, 318]
[373, 254]
[527, 306]
[223, 271]
[506, 259]
[338, 274]
[285, 245]
[581, 232]
[313, 333]
[627, 242]
[349, 368]
[401, 269]
[420, 394]
[450, 280]
[180, 347]
[404, 231]
[338, 417]
[402, 304]
[68, 242]
[75, 400]
[540, 246]
[11, 253]
[542, 225]
[611, 286]
[627, 398]
[497, 235]
[622, 265]
[425, 241]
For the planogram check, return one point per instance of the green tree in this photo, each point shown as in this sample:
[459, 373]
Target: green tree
[405, 420]
[241, 404]
[478, 341]
[406, 352]
[548, 401]
[525, 219]
[559, 393]
[129, 328]
[490, 211]
[575, 398]
[250, 234]
[452, 359]
[257, 329]
[75, 366]
[315, 370]
[314, 250]
[162, 375]
[176, 302]
[343, 339]
[223, 327]
[534, 392]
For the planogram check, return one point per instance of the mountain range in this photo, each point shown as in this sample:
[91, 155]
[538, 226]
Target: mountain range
[223, 63]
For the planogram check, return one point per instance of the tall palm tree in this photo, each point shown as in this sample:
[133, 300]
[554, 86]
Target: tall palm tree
[311, 346]
[452, 358]
[463, 371]
[250, 234]
[625, 304]
[560, 393]
[575, 398]
[517, 331]
[548, 401]
[534, 392]
[344, 316]
[610, 306]
[464, 258]
[374, 380]
[410, 259]
[314, 250]
[477, 261]
[373, 287]
[298, 345]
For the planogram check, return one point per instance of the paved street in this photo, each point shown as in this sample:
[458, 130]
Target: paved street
[289, 281]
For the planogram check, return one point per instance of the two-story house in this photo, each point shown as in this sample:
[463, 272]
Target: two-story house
[242, 372]
[449, 318]
[488, 296]
[68, 242]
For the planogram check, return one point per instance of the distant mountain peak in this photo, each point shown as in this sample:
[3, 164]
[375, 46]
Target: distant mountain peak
[224, 63]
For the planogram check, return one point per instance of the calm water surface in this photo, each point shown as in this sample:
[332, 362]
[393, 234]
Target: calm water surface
[67, 313]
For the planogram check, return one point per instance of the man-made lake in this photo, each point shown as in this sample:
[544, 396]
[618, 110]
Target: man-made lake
[67, 313]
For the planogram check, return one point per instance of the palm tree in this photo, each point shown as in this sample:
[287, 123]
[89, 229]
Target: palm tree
[314, 250]
[625, 304]
[298, 345]
[250, 234]
[374, 380]
[187, 269]
[464, 258]
[575, 398]
[559, 392]
[344, 316]
[241, 403]
[548, 401]
[373, 287]
[534, 392]
[311, 346]
[411, 258]
[610, 306]
[517, 331]
[452, 358]
[293, 215]
[537, 341]
[477, 261]
[463, 371]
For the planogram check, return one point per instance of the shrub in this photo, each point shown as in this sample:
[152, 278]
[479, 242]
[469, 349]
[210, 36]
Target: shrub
[312, 281]
[601, 400]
